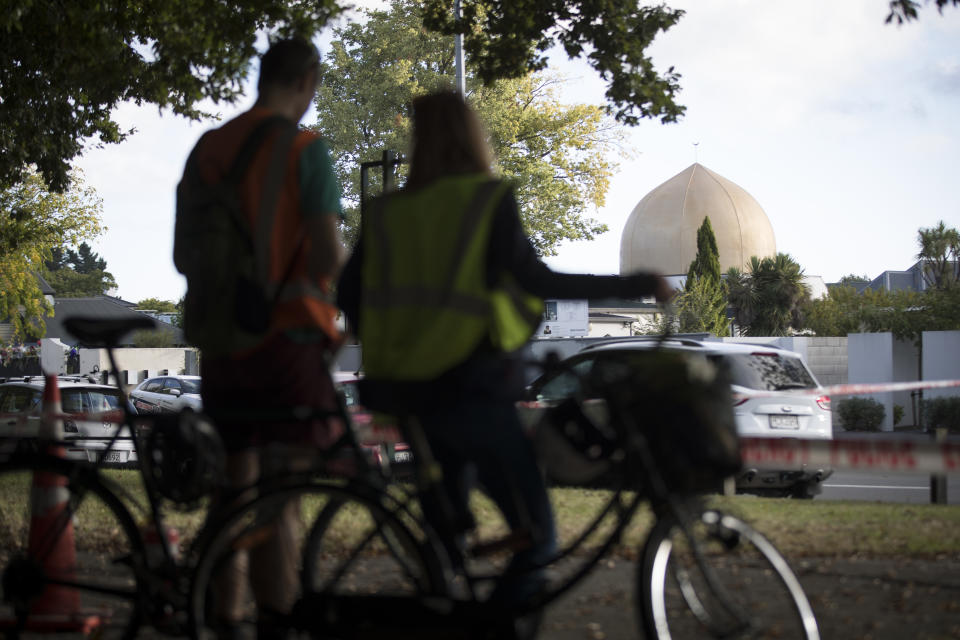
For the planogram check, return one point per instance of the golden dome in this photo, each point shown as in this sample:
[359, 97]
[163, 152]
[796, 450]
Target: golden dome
[661, 232]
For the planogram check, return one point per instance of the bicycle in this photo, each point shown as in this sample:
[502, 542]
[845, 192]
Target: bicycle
[125, 571]
[700, 569]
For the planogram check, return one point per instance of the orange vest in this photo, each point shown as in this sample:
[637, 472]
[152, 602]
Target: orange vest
[303, 299]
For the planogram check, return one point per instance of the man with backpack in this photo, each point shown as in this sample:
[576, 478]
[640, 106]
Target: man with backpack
[256, 237]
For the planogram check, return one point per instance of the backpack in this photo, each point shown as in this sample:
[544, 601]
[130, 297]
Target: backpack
[229, 299]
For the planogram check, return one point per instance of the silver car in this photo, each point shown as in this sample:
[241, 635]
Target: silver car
[93, 414]
[166, 394]
[753, 368]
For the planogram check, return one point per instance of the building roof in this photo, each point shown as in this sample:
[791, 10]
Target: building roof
[661, 232]
[45, 287]
[100, 307]
[599, 316]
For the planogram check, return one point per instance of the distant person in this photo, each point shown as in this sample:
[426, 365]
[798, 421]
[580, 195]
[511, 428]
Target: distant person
[443, 288]
[289, 368]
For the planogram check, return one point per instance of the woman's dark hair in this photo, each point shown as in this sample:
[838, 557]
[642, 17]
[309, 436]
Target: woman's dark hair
[448, 139]
[285, 62]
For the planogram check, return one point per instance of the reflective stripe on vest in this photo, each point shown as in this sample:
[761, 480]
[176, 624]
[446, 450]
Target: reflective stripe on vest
[267, 211]
[426, 305]
[297, 287]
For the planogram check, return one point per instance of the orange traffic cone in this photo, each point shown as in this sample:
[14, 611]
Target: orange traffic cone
[51, 542]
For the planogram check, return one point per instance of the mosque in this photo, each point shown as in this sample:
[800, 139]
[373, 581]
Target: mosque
[661, 232]
[661, 235]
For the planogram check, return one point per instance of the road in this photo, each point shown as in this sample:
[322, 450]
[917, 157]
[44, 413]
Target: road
[911, 488]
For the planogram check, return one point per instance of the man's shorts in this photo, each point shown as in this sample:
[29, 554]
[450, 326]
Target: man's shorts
[251, 398]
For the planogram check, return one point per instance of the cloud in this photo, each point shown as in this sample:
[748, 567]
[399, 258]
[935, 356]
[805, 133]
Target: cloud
[945, 78]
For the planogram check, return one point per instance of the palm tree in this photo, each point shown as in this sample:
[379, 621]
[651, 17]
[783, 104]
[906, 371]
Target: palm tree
[940, 255]
[768, 297]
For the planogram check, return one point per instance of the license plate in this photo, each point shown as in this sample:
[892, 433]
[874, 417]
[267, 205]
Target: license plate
[784, 422]
[403, 456]
[115, 456]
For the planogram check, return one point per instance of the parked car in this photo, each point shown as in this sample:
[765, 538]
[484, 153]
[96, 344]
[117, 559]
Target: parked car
[93, 411]
[752, 368]
[166, 394]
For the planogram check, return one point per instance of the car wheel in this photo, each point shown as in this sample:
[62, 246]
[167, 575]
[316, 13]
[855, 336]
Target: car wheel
[805, 490]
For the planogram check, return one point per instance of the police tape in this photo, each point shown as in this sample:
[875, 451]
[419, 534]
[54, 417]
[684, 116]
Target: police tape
[864, 454]
[850, 389]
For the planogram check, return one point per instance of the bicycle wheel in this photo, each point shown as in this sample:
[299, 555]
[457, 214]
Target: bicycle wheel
[740, 587]
[347, 551]
[69, 552]
[355, 537]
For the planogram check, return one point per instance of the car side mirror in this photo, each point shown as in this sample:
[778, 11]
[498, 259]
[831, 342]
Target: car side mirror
[174, 392]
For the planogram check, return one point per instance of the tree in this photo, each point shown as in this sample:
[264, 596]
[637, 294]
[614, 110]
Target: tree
[768, 299]
[843, 311]
[940, 256]
[906, 10]
[852, 278]
[64, 67]
[155, 304]
[34, 221]
[555, 154]
[904, 313]
[703, 304]
[78, 273]
[510, 38]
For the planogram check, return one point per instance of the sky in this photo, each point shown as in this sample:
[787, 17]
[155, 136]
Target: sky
[844, 129]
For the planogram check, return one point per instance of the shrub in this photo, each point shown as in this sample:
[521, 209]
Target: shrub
[860, 414]
[940, 413]
[897, 414]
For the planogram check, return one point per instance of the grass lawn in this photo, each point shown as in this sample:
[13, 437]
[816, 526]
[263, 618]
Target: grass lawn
[798, 528]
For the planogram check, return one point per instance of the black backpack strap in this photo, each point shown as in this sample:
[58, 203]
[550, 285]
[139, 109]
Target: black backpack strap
[259, 242]
[251, 145]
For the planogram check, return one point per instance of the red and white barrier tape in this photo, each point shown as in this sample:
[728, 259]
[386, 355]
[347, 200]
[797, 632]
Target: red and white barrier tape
[852, 388]
[866, 454]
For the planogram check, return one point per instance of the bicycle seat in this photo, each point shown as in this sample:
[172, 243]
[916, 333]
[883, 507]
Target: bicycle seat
[105, 332]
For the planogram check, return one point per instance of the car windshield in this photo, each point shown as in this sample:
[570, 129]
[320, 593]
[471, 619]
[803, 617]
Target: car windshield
[190, 386]
[767, 371]
[89, 400]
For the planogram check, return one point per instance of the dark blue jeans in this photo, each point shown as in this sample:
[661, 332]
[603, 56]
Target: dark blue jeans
[483, 438]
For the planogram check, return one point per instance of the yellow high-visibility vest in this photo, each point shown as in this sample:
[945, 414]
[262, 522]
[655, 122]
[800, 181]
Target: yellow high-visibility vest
[425, 302]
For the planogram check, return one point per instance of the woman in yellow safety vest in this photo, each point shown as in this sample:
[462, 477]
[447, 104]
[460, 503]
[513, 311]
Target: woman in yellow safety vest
[442, 289]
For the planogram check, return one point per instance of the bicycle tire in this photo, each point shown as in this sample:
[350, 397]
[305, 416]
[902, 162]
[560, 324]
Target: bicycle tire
[87, 527]
[742, 588]
[390, 531]
[421, 573]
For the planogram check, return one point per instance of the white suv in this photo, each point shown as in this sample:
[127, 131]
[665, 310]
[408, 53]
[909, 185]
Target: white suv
[93, 411]
[752, 368]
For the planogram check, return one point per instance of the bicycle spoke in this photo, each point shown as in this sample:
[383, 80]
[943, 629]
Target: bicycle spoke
[717, 575]
[352, 547]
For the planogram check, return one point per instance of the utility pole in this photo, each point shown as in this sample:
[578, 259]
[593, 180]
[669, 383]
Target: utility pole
[458, 52]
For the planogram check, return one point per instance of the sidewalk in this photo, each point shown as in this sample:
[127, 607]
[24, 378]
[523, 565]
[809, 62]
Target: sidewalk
[886, 599]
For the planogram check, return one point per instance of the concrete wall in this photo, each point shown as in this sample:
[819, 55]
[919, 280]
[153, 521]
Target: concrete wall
[53, 355]
[941, 361]
[136, 361]
[879, 357]
[906, 368]
[826, 357]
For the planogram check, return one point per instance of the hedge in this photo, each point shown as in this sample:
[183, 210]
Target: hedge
[860, 414]
[940, 413]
